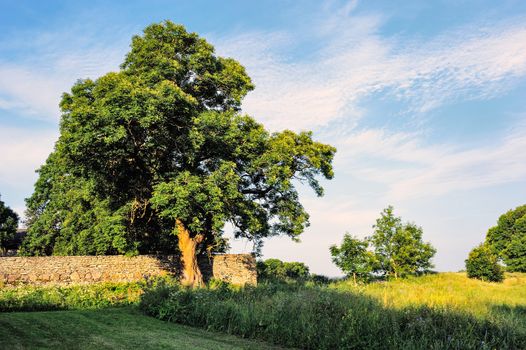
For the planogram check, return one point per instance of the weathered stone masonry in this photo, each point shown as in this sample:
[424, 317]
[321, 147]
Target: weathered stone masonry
[233, 268]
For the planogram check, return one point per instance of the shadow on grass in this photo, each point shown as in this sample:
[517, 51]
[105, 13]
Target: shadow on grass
[516, 310]
[114, 328]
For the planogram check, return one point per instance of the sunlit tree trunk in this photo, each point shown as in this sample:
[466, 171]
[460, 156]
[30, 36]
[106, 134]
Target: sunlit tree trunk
[192, 276]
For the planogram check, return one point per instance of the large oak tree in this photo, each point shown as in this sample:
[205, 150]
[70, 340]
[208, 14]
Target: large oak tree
[158, 157]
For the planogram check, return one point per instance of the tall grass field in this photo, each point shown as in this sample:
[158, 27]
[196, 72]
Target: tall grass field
[449, 290]
[442, 311]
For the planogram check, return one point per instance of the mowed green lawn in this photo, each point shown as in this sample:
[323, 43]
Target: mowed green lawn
[114, 328]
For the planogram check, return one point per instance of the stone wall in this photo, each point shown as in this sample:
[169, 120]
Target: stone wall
[233, 268]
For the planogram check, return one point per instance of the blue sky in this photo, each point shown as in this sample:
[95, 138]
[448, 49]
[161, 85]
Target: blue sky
[425, 101]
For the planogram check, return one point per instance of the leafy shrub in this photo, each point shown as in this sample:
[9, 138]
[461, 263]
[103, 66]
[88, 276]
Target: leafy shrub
[295, 315]
[484, 265]
[275, 269]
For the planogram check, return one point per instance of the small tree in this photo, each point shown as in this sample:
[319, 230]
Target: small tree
[8, 225]
[399, 248]
[353, 257]
[483, 264]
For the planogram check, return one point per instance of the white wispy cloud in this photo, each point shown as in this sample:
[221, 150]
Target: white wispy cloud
[411, 168]
[30, 93]
[23, 151]
[32, 85]
[353, 61]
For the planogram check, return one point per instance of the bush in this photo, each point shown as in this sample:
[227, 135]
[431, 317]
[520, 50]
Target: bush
[484, 265]
[277, 270]
[294, 315]
[320, 279]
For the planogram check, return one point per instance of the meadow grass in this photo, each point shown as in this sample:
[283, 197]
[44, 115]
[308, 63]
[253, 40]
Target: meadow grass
[447, 290]
[111, 328]
[47, 298]
[442, 311]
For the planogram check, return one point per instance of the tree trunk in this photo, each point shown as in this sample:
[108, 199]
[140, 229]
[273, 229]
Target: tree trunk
[192, 276]
[354, 278]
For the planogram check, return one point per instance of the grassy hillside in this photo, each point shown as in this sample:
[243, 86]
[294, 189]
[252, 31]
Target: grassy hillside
[116, 328]
[443, 311]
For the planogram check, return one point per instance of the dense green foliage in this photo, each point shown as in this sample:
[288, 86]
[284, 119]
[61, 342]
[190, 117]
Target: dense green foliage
[8, 226]
[508, 239]
[395, 249]
[275, 269]
[483, 264]
[114, 328]
[94, 296]
[354, 258]
[310, 317]
[398, 247]
[161, 145]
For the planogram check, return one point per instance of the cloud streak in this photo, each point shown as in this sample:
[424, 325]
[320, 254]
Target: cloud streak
[355, 61]
[26, 151]
[32, 86]
[411, 169]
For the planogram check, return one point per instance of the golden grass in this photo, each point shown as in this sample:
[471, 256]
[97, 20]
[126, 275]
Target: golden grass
[447, 290]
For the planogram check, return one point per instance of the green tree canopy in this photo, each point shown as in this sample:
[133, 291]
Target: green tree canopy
[8, 226]
[399, 247]
[353, 257]
[508, 239]
[158, 155]
[395, 249]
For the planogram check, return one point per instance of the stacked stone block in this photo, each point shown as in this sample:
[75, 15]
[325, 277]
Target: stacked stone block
[233, 268]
